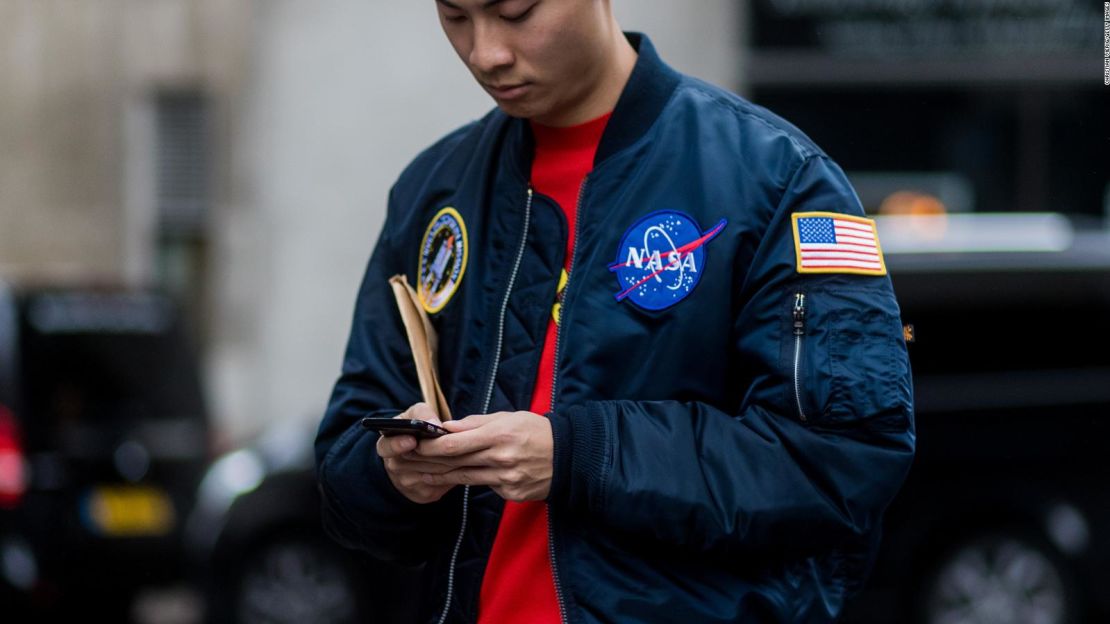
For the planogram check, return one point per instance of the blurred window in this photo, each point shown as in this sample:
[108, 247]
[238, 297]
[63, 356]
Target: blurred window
[1004, 149]
[184, 195]
[987, 106]
[183, 162]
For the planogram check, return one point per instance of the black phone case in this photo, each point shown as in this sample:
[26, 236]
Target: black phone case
[396, 426]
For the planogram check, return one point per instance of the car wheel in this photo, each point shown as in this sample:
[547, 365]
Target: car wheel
[296, 580]
[999, 579]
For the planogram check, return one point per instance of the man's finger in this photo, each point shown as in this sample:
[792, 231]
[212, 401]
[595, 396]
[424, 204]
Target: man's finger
[467, 437]
[442, 460]
[392, 446]
[421, 411]
[456, 444]
[485, 458]
[465, 476]
[468, 423]
[403, 464]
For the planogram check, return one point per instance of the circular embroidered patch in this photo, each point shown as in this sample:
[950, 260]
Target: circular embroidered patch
[442, 259]
[661, 259]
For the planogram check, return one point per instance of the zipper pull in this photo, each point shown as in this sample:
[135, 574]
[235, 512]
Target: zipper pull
[799, 314]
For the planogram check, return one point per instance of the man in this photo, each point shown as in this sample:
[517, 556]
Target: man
[669, 330]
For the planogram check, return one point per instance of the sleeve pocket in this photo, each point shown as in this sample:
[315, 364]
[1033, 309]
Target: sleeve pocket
[870, 368]
[851, 362]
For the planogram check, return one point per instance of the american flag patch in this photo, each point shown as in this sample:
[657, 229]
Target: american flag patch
[828, 242]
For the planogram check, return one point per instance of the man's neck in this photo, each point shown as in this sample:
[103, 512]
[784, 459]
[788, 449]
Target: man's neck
[620, 61]
[624, 61]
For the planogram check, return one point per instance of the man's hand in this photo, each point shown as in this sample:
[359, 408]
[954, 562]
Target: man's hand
[512, 452]
[404, 469]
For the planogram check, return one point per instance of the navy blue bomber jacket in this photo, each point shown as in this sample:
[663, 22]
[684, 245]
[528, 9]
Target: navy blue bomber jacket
[728, 429]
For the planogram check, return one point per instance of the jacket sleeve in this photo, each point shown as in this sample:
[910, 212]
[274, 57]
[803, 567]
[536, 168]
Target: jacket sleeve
[763, 478]
[361, 508]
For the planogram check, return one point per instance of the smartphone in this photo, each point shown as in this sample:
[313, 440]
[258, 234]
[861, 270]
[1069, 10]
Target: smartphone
[401, 426]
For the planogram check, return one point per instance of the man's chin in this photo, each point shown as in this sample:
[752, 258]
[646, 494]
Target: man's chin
[514, 109]
[529, 110]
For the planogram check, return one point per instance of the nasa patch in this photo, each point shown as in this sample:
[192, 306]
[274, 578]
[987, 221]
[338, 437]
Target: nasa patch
[442, 259]
[661, 259]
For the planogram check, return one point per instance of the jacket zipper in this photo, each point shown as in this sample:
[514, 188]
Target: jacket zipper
[799, 332]
[554, 389]
[489, 395]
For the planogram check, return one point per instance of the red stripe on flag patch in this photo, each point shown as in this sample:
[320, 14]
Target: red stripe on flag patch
[827, 242]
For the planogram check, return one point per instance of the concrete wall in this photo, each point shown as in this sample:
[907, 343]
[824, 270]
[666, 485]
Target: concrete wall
[76, 79]
[59, 168]
[342, 95]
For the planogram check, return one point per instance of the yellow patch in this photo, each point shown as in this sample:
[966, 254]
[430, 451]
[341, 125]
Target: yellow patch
[556, 310]
[830, 242]
[443, 256]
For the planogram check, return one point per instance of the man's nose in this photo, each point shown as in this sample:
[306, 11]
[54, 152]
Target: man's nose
[490, 51]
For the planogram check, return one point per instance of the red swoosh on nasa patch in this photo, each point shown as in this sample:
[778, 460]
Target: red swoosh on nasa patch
[683, 251]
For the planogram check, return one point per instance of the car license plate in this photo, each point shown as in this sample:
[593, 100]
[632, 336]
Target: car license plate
[128, 511]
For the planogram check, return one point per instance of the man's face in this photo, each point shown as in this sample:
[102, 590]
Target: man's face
[539, 59]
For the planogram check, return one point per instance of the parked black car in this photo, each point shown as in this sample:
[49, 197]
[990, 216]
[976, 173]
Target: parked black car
[1005, 516]
[103, 439]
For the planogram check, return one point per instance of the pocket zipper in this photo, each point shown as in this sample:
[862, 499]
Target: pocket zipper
[799, 331]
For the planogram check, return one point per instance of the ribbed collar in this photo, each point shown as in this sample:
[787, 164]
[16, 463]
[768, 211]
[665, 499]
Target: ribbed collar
[647, 92]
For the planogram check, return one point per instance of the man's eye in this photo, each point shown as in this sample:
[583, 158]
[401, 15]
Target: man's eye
[516, 19]
[455, 19]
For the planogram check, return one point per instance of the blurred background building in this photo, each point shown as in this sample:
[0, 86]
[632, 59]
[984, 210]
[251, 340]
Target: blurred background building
[239, 153]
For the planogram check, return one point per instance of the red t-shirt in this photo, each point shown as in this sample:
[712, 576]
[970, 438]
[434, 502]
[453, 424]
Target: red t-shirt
[518, 585]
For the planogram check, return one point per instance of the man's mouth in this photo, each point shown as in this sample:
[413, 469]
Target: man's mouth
[508, 91]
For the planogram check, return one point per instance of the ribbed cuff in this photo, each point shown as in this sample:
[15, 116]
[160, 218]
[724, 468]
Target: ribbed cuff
[581, 454]
[562, 428]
